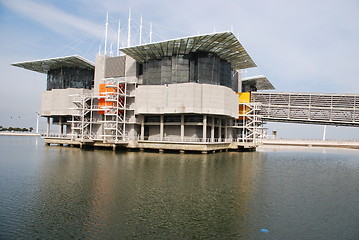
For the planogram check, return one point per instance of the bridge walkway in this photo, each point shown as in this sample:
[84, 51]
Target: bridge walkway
[312, 108]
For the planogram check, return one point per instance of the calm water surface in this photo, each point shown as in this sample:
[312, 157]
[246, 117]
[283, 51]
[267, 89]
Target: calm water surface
[68, 193]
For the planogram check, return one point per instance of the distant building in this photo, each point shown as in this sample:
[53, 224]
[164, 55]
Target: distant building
[183, 94]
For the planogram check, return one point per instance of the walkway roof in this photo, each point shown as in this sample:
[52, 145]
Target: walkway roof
[44, 65]
[225, 45]
[260, 82]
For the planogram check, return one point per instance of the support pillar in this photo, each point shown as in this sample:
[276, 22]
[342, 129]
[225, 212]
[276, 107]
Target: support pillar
[230, 131]
[182, 127]
[161, 127]
[142, 128]
[220, 131]
[204, 130]
[48, 127]
[226, 129]
[60, 126]
[212, 129]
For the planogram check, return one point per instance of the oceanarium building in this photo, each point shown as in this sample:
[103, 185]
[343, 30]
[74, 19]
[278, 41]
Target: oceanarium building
[183, 94]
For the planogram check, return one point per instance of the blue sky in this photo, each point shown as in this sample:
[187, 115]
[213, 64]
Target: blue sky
[300, 45]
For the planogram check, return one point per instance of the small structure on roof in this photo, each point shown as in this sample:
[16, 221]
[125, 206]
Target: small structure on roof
[255, 83]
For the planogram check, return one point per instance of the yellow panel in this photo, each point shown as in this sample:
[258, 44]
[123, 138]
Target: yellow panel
[244, 97]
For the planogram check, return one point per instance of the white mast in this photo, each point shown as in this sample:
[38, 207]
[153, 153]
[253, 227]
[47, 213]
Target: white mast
[106, 33]
[111, 52]
[141, 30]
[151, 33]
[118, 37]
[129, 29]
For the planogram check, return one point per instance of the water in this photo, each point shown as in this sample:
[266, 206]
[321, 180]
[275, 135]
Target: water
[275, 193]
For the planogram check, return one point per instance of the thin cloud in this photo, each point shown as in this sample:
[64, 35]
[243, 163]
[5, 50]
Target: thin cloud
[54, 19]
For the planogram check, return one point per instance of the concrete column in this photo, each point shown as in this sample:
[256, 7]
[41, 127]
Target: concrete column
[161, 127]
[212, 129]
[226, 128]
[182, 127]
[230, 130]
[60, 126]
[142, 128]
[48, 127]
[220, 131]
[204, 132]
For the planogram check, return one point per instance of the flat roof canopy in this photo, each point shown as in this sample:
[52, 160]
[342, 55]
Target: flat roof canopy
[225, 45]
[44, 65]
[260, 82]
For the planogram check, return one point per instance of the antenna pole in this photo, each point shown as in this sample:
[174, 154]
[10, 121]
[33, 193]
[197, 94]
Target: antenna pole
[141, 30]
[151, 33]
[106, 29]
[129, 29]
[118, 37]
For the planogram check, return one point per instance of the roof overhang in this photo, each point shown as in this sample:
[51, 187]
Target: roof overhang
[260, 82]
[225, 45]
[45, 65]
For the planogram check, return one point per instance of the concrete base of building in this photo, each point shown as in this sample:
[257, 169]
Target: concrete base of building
[160, 146]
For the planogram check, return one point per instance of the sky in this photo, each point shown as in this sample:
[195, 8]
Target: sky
[300, 45]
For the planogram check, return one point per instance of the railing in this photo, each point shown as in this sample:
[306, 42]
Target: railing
[186, 139]
[329, 109]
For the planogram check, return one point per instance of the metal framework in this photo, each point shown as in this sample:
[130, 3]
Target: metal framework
[328, 109]
[113, 108]
[249, 123]
[80, 117]
[224, 44]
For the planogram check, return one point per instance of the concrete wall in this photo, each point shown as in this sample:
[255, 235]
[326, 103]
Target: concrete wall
[186, 98]
[99, 71]
[131, 67]
[172, 131]
[58, 101]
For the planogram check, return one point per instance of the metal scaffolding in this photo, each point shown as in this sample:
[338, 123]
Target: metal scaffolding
[249, 123]
[115, 109]
[111, 104]
[80, 117]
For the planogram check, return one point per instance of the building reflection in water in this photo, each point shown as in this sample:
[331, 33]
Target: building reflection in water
[97, 193]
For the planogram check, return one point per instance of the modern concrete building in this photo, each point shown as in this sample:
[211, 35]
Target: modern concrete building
[183, 94]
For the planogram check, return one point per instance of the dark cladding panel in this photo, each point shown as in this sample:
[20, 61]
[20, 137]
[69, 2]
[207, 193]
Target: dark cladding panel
[166, 70]
[180, 69]
[68, 77]
[226, 74]
[208, 69]
[152, 72]
[197, 67]
[115, 67]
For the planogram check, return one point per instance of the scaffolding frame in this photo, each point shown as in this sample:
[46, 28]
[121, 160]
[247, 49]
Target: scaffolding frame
[113, 110]
[249, 123]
